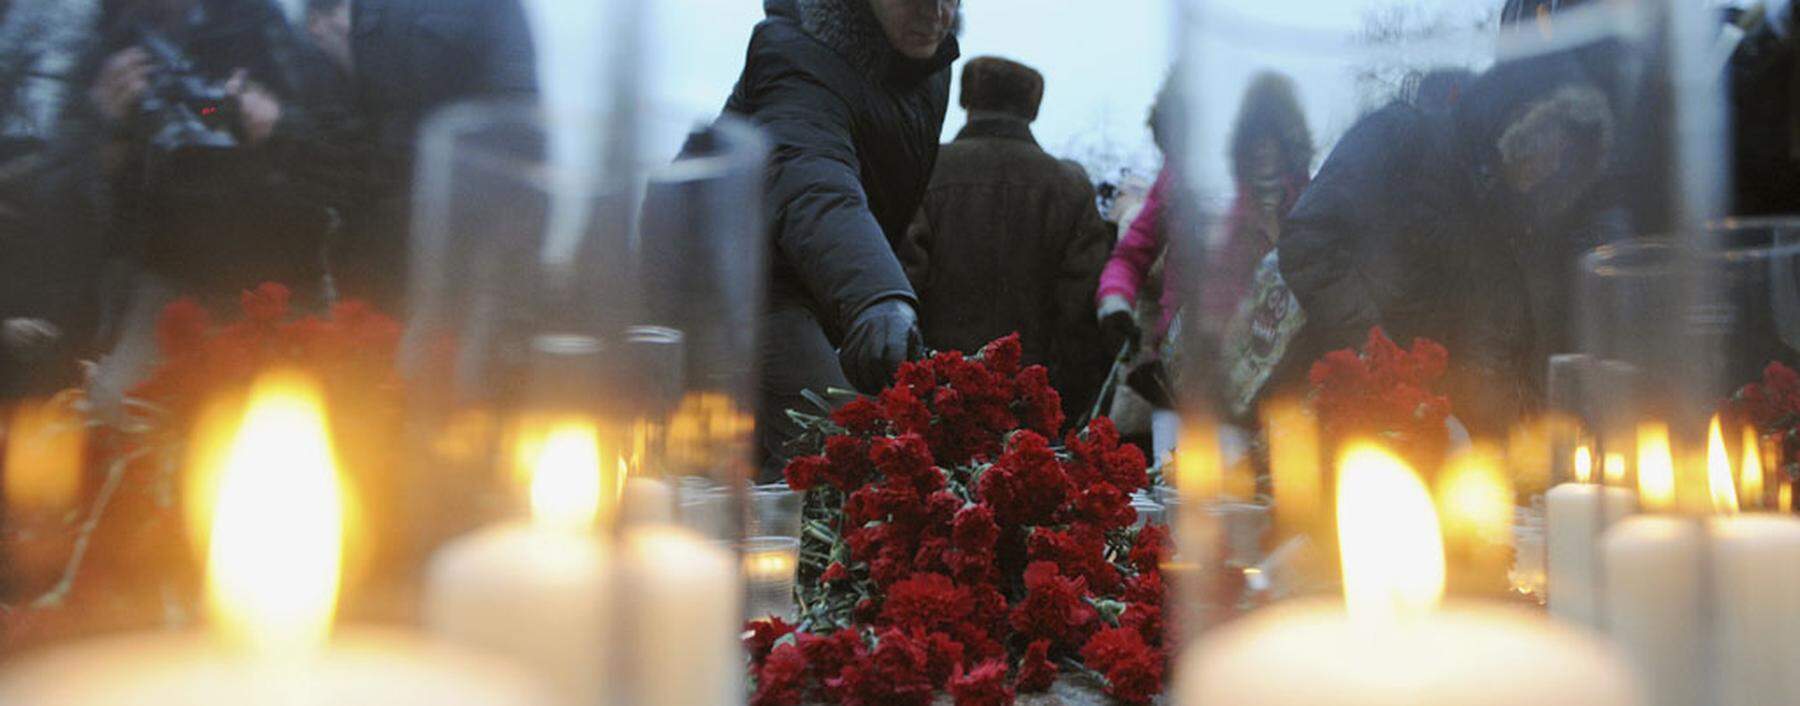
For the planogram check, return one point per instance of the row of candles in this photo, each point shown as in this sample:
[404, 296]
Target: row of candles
[543, 612]
[1686, 603]
[1684, 565]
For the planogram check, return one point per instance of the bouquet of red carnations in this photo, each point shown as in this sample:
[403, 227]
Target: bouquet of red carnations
[1386, 393]
[949, 546]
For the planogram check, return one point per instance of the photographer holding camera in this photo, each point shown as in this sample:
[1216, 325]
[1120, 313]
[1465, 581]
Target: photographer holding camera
[230, 145]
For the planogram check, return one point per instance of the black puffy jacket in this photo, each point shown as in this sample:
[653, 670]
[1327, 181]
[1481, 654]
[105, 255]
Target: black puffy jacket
[853, 133]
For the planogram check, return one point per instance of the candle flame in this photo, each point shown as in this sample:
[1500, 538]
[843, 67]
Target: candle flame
[1784, 498]
[1752, 471]
[275, 559]
[1719, 481]
[1475, 498]
[41, 469]
[1656, 468]
[565, 477]
[1584, 464]
[1199, 468]
[1613, 467]
[1392, 551]
[1294, 464]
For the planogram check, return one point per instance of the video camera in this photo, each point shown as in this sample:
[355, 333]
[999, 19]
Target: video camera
[182, 108]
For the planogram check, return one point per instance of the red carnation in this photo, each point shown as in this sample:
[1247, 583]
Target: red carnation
[806, 472]
[1150, 548]
[835, 572]
[1054, 606]
[1076, 552]
[1043, 405]
[781, 680]
[1105, 507]
[859, 416]
[1133, 669]
[894, 673]
[763, 634]
[985, 685]
[829, 654]
[849, 462]
[906, 410]
[1036, 672]
[267, 304]
[181, 330]
[924, 601]
[1003, 355]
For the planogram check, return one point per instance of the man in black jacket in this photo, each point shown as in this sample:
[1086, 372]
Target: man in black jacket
[851, 95]
[1011, 238]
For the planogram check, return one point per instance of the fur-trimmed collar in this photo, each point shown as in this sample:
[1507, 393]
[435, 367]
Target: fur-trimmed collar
[851, 29]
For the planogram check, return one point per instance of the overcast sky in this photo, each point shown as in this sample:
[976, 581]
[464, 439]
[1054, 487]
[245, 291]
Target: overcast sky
[1103, 62]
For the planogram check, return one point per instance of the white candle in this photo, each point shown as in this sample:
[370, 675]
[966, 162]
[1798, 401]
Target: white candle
[358, 668]
[529, 593]
[535, 591]
[1312, 652]
[1652, 604]
[1387, 642]
[1575, 515]
[1757, 565]
[273, 567]
[681, 600]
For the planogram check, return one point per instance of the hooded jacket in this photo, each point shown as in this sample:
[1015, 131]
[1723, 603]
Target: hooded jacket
[853, 131]
[1410, 226]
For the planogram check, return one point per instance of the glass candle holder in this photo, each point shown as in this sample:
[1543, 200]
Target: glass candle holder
[580, 358]
[1379, 225]
[770, 567]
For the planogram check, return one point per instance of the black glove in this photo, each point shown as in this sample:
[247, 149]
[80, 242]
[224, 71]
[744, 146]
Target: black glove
[882, 337]
[1119, 329]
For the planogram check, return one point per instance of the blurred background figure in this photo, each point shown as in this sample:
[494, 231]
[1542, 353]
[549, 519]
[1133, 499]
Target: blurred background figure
[1271, 155]
[1462, 223]
[1241, 290]
[405, 59]
[52, 205]
[851, 95]
[1010, 239]
[1135, 293]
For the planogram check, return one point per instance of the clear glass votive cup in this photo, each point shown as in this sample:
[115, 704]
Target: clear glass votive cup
[770, 568]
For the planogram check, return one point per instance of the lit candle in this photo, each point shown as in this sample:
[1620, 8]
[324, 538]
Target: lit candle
[1751, 475]
[682, 617]
[1652, 581]
[1475, 499]
[1388, 642]
[770, 564]
[1654, 576]
[274, 563]
[1294, 466]
[535, 591]
[1575, 514]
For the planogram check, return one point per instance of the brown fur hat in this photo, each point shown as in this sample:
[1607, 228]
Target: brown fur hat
[1002, 86]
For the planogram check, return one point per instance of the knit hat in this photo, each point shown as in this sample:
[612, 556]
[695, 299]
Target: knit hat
[1002, 86]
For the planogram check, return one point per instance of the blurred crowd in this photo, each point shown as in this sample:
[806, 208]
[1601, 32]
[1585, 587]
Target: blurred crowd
[155, 148]
[159, 148]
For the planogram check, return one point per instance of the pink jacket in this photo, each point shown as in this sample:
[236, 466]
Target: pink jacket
[1133, 257]
[1229, 270]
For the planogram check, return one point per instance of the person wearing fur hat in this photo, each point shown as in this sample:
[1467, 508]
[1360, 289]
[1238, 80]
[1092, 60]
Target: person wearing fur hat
[1010, 238]
[851, 94]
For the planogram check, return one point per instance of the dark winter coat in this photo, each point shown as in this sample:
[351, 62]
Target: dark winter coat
[1010, 239]
[412, 58]
[853, 130]
[1408, 226]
